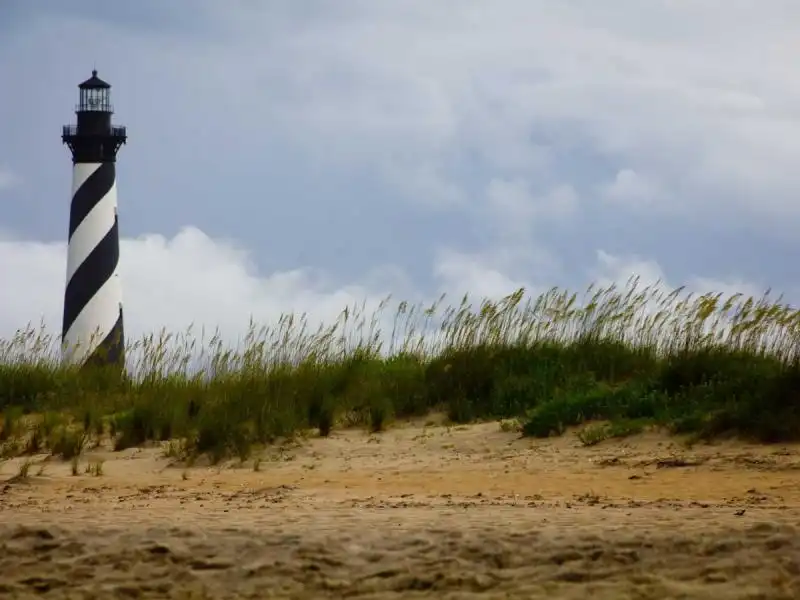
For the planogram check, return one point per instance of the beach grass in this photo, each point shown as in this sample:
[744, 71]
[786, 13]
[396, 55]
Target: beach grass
[627, 357]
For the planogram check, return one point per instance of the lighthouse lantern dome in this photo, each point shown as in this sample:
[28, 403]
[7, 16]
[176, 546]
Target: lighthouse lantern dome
[95, 95]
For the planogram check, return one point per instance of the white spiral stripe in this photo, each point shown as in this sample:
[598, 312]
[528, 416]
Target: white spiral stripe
[81, 172]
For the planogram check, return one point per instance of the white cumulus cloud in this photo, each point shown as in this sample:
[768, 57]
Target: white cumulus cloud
[172, 283]
[634, 190]
[191, 279]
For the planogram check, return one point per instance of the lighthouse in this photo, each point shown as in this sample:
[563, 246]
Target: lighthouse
[92, 331]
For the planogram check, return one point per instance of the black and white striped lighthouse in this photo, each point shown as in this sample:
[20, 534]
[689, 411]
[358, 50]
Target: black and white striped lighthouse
[92, 331]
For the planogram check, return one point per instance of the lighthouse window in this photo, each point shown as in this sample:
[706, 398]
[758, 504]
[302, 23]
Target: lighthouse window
[94, 99]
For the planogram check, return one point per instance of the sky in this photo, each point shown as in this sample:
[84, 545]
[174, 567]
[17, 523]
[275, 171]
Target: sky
[305, 155]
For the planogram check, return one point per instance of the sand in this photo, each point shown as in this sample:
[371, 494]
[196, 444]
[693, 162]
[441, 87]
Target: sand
[415, 512]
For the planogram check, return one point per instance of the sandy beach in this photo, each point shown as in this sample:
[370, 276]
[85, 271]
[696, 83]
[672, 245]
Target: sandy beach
[420, 511]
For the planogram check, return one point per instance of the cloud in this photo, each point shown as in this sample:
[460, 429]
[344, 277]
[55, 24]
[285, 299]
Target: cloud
[409, 93]
[190, 279]
[425, 184]
[513, 205]
[7, 178]
[619, 269]
[172, 283]
[641, 86]
[633, 190]
[476, 274]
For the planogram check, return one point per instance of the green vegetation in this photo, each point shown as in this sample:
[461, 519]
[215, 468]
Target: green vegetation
[631, 357]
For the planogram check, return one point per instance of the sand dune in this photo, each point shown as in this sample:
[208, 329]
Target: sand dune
[416, 512]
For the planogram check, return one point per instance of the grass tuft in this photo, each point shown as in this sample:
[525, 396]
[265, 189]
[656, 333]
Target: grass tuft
[627, 357]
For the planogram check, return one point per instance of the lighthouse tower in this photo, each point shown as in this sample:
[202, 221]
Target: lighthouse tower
[92, 330]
